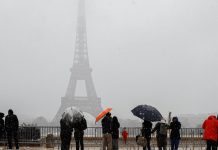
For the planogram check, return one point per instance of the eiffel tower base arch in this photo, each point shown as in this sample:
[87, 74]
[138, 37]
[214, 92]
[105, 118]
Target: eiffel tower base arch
[93, 107]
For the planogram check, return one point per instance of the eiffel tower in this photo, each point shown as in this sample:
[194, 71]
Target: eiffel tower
[80, 71]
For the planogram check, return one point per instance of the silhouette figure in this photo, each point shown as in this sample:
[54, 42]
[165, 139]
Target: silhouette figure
[161, 134]
[115, 133]
[106, 129]
[11, 127]
[66, 133]
[146, 132]
[79, 132]
[2, 126]
[175, 126]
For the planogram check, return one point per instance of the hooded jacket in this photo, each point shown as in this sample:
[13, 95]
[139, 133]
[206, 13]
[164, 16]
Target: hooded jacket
[210, 127]
[115, 125]
[175, 126]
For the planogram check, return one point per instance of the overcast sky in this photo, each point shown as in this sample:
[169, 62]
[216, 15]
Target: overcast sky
[157, 52]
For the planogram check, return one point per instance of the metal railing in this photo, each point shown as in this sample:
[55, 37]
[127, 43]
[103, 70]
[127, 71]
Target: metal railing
[36, 132]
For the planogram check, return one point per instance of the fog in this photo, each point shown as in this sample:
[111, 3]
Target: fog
[157, 52]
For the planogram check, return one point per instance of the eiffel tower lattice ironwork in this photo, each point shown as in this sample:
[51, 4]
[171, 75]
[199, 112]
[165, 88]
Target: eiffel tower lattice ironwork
[80, 71]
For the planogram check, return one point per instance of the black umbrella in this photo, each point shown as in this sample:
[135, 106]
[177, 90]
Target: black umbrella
[147, 112]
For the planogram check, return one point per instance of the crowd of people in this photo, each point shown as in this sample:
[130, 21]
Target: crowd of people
[110, 129]
[161, 129]
[9, 128]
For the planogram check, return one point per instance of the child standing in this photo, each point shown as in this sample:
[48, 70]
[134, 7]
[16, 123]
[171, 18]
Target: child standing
[125, 135]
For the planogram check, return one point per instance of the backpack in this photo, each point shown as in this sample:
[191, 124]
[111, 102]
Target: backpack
[163, 129]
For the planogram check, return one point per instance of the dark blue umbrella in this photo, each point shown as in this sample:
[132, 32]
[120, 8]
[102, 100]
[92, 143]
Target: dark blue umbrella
[147, 112]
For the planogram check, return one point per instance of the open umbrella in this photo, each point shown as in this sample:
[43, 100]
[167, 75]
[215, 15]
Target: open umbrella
[102, 114]
[147, 112]
[72, 114]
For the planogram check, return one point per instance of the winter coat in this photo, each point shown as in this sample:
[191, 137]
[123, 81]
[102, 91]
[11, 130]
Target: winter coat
[106, 124]
[80, 125]
[210, 127]
[11, 123]
[2, 127]
[125, 134]
[115, 129]
[157, 129]
[66, 131]
[79, 128]
[78, 134]
[175, 127]
[161, 138]
[146, 129]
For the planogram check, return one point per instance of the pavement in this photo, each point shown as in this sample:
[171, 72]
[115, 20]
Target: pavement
[98, 148]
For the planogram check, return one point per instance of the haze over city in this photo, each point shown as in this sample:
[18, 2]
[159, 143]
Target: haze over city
[161, 53]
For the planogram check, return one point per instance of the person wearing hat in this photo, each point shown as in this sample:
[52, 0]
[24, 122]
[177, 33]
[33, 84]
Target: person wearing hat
[11, 127]
[2, 125]
[161, 134]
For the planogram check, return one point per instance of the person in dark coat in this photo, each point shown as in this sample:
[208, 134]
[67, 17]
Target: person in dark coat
[79, 132]
[161, 134]
[11, 127]
[175, 126]
[66, 133]
[115, 133]
[106, 129]
[2, 126]
[146, 132]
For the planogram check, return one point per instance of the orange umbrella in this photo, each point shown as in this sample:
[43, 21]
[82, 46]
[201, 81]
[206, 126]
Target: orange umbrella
[102, 114]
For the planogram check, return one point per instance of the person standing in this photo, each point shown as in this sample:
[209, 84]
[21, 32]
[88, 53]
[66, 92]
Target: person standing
[66, 133]
[146, 132]
[125, 135]
[79, 133]
[106, 129]
[11, 127]
[210, 127]
[175, 126]
[161, 134]
[115, 133]
[217, 134]
[2, 125]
